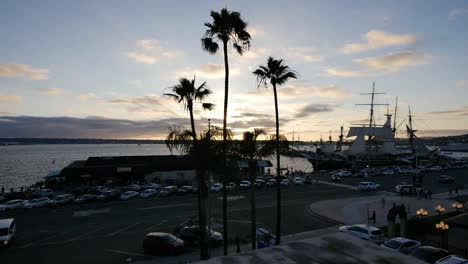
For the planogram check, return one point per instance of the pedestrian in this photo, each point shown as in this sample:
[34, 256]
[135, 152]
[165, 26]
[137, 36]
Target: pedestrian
[429, 194]
[456, 191]
[383, 202]
[373, 217]
[3, 190]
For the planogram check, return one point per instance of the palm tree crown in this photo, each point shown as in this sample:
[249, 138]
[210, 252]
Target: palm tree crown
[275, 72]
[226, 26]
[186, 92]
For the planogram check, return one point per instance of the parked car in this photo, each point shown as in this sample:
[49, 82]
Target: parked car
[270, 183]
[151, 185]
[2, 198]
[43, 193]
[366, 232]
[85, 198]
[388, 172]
[38, 202]
[129, 195]
[429, 254]
[446, 179]
[368, 186]
[162, 244]
[167, 191]
[217, 187]
[96, 190]
[63, 199]
[11, 205]
[244, 185]
[259, 183]
[452, 259]
[191, 234]
[284, 182]
[308, 180]
[401, 244]
[435, 168]
[109, 195]
[231, 186]
[406, 189]
[148, 193]
[132, 187]
[186, 189]
[343, 173]
[7, 231]
[298, 181]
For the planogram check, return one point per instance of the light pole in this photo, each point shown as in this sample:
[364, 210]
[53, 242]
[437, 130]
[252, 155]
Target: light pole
[443, 227]
[421, 213]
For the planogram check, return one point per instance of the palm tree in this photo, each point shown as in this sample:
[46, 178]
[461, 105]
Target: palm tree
[277, 74]
[186, 93]
[251, 149]
[227, 26]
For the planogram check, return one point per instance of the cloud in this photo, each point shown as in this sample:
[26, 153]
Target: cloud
[15, 70]
[208, 71]
[87, 96]
[51, 91]
[330, 91]
[311, 109]
[394, 62]
[141, 57]
[306, 54]
[343, 72]
[6, 112]
[244, 115]
[462, 83]
[454, 13]
[256, 31]
[376, 39]
[10, 99]
[445, 112]
[146, 104]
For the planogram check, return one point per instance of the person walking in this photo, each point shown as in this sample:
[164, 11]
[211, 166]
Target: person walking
[456, 191]
[373, 218]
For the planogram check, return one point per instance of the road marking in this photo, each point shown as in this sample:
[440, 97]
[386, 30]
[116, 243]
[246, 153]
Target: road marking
[231, 198]
[85, 234]
[164, 206]
[156, 225]
[124, 252]
[39, 241]
[90, 212]
[125, 228]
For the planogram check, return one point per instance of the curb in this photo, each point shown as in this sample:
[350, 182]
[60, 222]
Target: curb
[324, 218]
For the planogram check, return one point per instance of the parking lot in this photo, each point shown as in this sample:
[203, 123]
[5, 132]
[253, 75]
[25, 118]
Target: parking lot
[112, 232]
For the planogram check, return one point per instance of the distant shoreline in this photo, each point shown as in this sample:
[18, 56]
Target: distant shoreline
[56, 141]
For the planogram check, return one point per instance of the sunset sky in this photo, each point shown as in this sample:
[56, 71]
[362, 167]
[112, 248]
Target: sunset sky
[84, 69]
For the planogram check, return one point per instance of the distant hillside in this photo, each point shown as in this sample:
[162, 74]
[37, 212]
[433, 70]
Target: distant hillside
[441, 141]
[36, 141]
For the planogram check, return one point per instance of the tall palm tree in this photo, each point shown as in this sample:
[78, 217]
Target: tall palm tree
[276, 73]
[227, 27]
[252, 150]
[186, 93]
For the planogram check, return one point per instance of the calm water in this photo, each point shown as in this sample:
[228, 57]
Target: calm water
[24, 165]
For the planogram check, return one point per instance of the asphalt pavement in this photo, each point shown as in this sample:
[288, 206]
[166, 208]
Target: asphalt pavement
[112, 232]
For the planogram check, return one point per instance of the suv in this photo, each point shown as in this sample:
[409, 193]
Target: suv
[368, 186]
[401, 244]
[366, 232]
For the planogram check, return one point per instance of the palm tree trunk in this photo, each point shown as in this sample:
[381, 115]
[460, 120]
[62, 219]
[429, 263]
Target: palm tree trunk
[201, 194]
[253, 234]
[278, 173]
[226, 90]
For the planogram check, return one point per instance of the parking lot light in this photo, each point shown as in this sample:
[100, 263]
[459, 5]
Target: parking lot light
[457, 206]
[442, 226]
[440, 209]
[421, 213]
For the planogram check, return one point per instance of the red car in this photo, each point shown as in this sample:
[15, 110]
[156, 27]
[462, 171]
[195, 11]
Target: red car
[163, 244]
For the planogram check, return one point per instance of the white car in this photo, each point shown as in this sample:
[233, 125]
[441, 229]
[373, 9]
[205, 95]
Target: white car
[366, 232]
[148, 193]
[284, 182]
[401, 244]
[43, 193]
[38, 202]
[7, 231]
[388, 172]
[151, 186]
[298, 181]
[63, 199]
[369, 186]
[244, 185]
[129, 195]
[217, 187]
[11, 205]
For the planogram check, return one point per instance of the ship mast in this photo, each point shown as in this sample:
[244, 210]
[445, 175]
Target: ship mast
[394, 117]
[340, 142]
[410, 130]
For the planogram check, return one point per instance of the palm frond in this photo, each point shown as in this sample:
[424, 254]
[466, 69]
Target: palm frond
[209, 45]
[208, 106]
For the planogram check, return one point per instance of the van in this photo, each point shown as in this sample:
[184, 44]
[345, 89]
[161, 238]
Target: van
[7, 231]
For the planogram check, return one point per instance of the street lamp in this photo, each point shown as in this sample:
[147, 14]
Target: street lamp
[443, 227]
[440, 209]
[457, 206]
[421, 213]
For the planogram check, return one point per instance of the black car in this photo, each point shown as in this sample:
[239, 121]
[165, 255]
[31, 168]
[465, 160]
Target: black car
[109, 195]
[191, 235]
[308, 180]
[168, 191]
[335, 178]
[429, 254]
[86, 198]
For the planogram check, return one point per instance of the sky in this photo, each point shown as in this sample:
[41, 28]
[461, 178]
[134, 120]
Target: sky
[98, 69]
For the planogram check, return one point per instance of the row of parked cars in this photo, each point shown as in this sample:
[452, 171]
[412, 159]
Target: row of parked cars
[402, 245]
[259, 183]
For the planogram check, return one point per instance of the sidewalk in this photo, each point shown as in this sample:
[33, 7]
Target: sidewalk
[356, 210]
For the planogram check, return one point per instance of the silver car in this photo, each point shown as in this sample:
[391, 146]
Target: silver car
[11, 205]
[366, 232]
[38, 202]
[401, 244]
